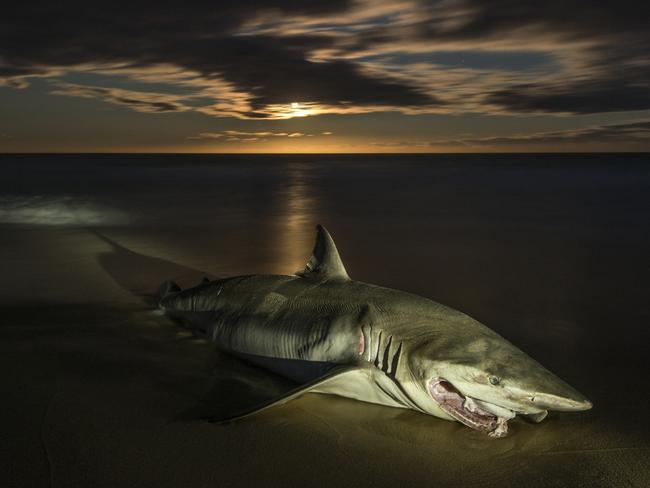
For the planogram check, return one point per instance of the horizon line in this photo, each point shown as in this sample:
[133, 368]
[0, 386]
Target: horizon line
[179, 153]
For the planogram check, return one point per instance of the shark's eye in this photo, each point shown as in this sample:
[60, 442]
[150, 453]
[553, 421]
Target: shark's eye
[494, 380]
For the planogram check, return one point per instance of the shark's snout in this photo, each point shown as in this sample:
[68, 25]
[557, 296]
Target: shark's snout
[546, 401]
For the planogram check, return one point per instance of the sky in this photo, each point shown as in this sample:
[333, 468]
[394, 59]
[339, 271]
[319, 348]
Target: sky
[325, 76]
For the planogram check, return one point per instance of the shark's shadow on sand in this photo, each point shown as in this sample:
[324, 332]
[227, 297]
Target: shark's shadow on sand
[139, 274]
[237, 386]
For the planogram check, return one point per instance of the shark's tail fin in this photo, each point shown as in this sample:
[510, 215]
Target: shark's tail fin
[166, 289]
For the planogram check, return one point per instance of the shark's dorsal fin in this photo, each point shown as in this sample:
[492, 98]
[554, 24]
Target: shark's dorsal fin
[325, 263]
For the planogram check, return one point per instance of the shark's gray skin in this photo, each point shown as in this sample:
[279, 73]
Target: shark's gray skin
[369, 343]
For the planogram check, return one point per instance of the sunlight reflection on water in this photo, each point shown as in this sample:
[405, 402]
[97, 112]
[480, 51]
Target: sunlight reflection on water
[295, 220]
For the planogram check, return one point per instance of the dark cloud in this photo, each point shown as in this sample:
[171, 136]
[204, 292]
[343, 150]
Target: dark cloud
[634, 134]
[276, 71]
[139, 101]
[200, 36]
[630, 136]
[573, 20]
[17, 76]
[606, 95]
[19, 71]
[605, 46]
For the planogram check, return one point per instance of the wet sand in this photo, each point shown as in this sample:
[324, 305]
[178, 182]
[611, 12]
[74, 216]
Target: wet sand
[98, 389]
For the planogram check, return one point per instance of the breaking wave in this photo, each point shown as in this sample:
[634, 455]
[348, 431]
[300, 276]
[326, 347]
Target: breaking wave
[56, 210]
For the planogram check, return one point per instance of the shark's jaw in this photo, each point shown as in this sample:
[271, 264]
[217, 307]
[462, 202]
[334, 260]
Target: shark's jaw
[465, 409]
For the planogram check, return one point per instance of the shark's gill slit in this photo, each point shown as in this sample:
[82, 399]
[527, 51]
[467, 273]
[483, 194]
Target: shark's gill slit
[376, 362]
[395, 363]
[384, 361]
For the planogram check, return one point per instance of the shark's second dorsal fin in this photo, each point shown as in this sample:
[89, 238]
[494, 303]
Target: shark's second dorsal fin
[325, 263]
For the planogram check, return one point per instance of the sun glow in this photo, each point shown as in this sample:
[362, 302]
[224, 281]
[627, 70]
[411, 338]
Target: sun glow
[298, 109]
[291, 110]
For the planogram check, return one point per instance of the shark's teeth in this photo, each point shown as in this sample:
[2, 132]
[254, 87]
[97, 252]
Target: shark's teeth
[470, 405]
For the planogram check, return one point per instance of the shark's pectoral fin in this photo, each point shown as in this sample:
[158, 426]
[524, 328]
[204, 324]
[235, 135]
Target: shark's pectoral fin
[334, 374]
[325, 263]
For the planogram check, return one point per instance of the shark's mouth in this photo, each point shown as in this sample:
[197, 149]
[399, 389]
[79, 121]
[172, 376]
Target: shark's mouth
[465, 409]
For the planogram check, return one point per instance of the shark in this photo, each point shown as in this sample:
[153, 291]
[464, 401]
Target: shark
[334, 335]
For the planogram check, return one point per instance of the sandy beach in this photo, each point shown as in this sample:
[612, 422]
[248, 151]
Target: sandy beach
[99, 389]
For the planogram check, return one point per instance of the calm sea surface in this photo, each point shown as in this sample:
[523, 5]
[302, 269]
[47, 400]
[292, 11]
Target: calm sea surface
[551, 251]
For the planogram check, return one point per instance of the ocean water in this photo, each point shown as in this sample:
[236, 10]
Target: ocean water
[551, 251]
